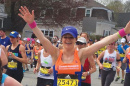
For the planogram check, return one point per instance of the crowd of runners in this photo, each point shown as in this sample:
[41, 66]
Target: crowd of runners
[68, 61]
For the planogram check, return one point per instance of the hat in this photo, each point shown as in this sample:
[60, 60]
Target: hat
[71, 30]
[3, 29]
[14, 34]
[82, 40]
[38, 41]
[91, 40]
[28, 39]
[25, 39]
[123, 40]
[19, 36]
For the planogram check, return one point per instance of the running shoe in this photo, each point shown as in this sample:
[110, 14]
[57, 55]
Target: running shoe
[117, 78]
[122, 81]
[27, 69]
[23, 71]
[99, 77]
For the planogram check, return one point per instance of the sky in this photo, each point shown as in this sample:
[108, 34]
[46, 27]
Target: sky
[125, 1]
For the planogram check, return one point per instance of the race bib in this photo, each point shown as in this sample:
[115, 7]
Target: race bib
[44, 71]
[36, 57]
[67, 82]
[12, 65]
[106, 65]
[122, 55]
[129, 66]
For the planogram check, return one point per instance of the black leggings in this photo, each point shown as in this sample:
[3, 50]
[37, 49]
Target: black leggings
[85, 84]
[35, 63]
[107, 77]
[44, 82]
[127, 79]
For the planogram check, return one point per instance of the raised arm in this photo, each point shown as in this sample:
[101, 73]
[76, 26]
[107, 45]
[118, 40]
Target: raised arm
[107, 40]
[29, 19]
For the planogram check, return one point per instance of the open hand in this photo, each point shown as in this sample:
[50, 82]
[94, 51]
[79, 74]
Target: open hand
[26, 15]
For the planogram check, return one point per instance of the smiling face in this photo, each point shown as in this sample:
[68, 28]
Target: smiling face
[68, 41]
[111, 46]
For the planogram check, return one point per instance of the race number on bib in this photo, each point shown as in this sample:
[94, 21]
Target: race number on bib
[107, 65]
[67, 82]
[36, 57]
[12, 65]
[44, 71]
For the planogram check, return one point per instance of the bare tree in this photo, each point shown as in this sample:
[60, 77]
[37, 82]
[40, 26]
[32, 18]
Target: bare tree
[116, 5]
[127, 7]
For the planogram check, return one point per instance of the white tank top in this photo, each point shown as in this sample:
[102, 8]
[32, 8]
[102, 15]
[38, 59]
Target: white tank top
[46, 62]
[109, 59]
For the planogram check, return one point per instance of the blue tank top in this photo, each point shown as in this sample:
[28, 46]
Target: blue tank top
[4, 76]
[28, 54]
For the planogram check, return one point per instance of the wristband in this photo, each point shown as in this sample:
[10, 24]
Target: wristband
[119, 35]
[122, 32]
[32, 25]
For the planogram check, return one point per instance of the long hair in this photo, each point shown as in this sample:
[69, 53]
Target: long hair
[0, 70]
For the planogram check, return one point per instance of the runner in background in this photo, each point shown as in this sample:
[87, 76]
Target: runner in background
[5, 40]
[24, 43]
[44, 68]
[20, 40]
[5, 79]
[36, 48]
[68, 61]
[86, 36]
[55, 41]
[16, 56]
[110, 57]
[89, 65]
[101, 60]
[122, 49]
[127, 60]
[28, 53]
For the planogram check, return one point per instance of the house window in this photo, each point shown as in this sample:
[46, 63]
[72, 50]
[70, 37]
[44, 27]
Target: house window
[49, 33]
[106, 33]
[87, 13]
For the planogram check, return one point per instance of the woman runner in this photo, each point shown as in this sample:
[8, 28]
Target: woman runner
[68, 69]
[110, 57]
[45, 74]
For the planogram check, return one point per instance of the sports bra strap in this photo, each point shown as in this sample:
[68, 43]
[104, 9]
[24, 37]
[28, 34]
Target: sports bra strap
[4, 76]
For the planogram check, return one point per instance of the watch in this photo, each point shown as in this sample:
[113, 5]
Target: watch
[88, 73]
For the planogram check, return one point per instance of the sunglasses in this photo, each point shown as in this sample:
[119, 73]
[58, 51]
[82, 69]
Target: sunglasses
[65, 37]
[79, 43]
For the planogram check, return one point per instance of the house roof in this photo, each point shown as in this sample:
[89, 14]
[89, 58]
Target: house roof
[92, 3]
[122, 19]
